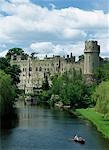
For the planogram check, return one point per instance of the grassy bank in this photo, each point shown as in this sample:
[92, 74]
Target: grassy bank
[97, 119]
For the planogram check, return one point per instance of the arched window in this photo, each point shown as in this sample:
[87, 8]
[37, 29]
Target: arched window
[36, 69]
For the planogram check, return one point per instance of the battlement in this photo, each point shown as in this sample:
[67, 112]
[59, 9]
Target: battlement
[92, 46]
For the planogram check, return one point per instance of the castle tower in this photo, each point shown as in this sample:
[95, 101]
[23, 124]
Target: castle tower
[91, 60]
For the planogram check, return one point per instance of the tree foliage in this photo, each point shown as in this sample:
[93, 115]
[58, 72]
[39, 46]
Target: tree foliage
[103, 72]
[7, 94]
[9, 78]
[13, 70]
[71, 89]
[17, 51]
[101, 97]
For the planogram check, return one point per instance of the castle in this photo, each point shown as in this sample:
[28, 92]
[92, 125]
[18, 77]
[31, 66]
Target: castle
[34, 70]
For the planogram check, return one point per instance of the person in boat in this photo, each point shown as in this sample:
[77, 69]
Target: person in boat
[76, 137]
[80, 138]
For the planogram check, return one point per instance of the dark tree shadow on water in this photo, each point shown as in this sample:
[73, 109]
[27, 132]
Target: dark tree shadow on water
[9, 121]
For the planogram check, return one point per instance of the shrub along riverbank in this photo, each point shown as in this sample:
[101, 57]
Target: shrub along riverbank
[97, 119]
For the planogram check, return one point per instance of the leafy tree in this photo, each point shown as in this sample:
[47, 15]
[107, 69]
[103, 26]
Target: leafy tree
[101, 97]
[57, 83]
[81, 57]
[13, 70]
[17, 51]
[71, 89]
[33, 54]
[4, 63]
[103, 72]
[7, 94]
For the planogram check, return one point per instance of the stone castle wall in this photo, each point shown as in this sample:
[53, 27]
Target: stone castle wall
[33, 70]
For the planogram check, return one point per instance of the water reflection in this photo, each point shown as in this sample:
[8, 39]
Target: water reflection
[41, 128]
[9, 122]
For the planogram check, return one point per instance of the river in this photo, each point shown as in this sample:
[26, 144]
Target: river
[41, 128]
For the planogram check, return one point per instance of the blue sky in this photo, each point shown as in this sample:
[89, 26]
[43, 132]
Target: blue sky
[53, 26]
[82, 4]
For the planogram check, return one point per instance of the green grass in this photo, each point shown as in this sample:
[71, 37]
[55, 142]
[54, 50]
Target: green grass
[97, 119]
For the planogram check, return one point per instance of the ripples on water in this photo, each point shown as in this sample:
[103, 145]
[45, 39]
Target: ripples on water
[40, 128]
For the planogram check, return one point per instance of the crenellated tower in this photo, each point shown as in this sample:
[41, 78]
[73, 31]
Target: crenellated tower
[91, 60]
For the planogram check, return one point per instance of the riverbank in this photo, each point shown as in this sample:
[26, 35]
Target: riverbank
[97, 119]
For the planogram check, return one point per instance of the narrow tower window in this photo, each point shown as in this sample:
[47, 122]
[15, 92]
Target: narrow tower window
[89, 58]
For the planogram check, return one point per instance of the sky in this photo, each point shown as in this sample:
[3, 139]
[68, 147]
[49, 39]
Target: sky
[53, 27]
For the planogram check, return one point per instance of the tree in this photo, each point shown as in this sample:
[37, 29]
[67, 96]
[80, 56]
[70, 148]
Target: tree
[4, 63]
[33, 54]
[57, 83]
[101, 97]
[13, 70]
[81, 57]
[103, 72]
[17, 51]
[7, 94]
[71, 89]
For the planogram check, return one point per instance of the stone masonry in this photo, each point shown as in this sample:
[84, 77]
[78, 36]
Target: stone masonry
[34, 70]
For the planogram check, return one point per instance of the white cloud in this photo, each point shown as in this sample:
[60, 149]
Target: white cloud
[50, 48]
[2, 54]
[19, 1]
[42, 47]
[52, 31]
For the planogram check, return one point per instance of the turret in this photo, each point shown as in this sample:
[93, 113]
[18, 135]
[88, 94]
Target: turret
[91, 59]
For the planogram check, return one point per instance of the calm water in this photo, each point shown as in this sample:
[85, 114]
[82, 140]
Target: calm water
[40, 128]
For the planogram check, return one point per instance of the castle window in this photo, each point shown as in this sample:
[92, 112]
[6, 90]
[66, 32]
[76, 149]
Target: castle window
[29, 74]
[40, 69]
[47, 69]
[36, 69]
[44, 74]
[23, 69]
[93, 67]
[30, 68]
[14, 57]
[89, 58]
